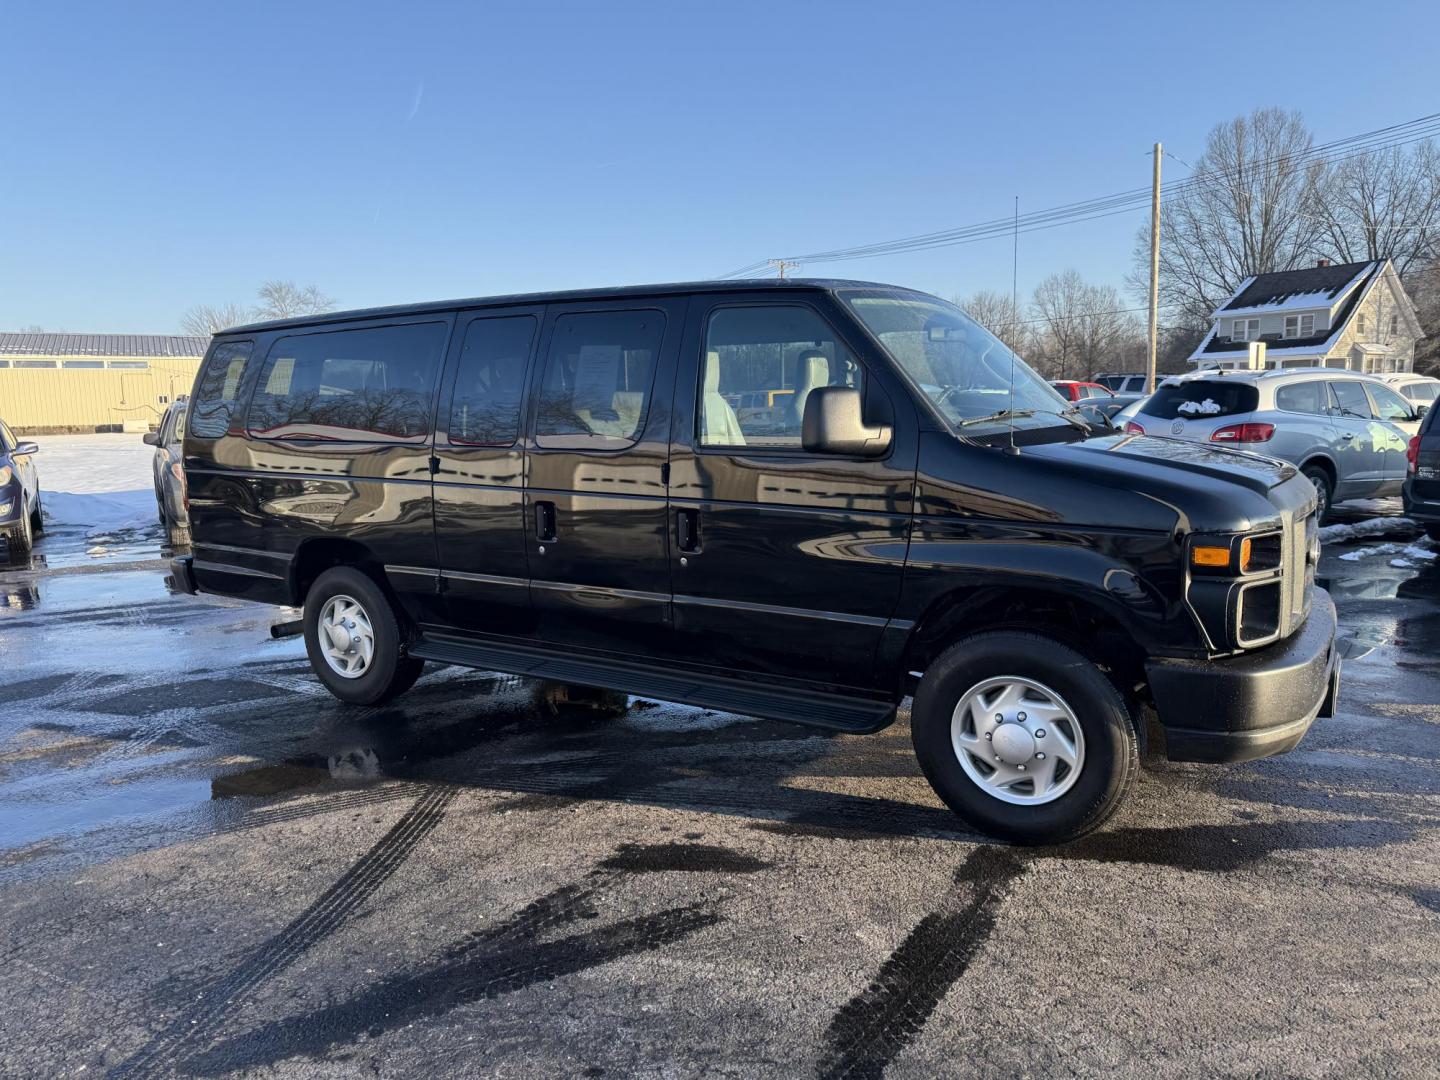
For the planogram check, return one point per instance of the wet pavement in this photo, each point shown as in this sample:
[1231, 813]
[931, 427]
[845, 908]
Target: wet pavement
[210, 867]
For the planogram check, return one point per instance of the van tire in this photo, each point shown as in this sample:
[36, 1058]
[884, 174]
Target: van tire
[390, 671]
[1111, 755]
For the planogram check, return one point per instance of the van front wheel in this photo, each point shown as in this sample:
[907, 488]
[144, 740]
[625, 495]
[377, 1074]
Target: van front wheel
[1023, 737]
[354, 640]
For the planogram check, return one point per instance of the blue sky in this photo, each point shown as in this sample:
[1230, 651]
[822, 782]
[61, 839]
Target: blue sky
[157, 156]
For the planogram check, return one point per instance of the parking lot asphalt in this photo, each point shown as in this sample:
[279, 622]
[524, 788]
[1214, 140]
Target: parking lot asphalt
[209, 867]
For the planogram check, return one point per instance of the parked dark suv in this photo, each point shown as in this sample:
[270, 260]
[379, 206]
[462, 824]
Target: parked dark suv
[561, 485]
[1422, 483]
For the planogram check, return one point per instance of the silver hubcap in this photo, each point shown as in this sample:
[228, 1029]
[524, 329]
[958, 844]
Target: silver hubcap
[347, 640]
[1017, 740]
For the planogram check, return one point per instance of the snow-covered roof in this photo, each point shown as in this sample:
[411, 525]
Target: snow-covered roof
[1290, 290]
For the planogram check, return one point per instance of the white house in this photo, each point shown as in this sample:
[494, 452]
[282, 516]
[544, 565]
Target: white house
[1356, 316]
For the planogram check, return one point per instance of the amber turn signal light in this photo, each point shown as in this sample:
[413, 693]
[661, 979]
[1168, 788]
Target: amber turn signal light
[1215, 558]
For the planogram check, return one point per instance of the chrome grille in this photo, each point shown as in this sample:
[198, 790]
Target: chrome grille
[1298, 570]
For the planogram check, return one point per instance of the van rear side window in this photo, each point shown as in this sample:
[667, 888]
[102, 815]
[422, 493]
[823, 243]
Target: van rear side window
[214, 400]
[371, 384]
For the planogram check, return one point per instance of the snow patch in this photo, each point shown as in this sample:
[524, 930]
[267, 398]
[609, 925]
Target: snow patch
[1360, 530]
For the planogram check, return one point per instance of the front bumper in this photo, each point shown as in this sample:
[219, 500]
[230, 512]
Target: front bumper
[1422, 509]
[1250, 706]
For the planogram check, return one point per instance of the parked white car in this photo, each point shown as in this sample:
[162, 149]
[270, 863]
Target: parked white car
[1422, 390]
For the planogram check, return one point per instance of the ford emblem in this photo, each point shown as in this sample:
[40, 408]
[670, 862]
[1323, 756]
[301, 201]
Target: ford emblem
[1177, 427]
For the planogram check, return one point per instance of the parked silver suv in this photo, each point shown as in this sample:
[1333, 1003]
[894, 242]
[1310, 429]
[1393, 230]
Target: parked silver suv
[1347, 432]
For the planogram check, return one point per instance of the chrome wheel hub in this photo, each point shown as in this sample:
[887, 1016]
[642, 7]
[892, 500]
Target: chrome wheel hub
[1018, 740]
[347, 639]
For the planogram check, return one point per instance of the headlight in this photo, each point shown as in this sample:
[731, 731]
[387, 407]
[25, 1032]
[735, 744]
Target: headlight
[5, 474]
[1234, 556]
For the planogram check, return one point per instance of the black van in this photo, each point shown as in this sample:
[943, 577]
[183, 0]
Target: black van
[799, 500]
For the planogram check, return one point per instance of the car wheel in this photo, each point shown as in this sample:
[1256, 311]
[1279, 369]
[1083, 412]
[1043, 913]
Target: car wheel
[355, 642]
[1023, 737]
[1433, 531]
[1324, 490]
[37, 518]
[21, 538]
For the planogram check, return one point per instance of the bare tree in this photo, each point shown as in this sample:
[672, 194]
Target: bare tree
[1081, 328]
[1250, 206]
[1383, 205]
[202, 320]
[286, 300]
[997, 313]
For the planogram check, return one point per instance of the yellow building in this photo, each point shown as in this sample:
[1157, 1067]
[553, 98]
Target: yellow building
[93, 382]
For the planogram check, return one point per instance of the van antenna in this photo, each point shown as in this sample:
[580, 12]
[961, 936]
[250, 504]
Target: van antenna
[1015, 316]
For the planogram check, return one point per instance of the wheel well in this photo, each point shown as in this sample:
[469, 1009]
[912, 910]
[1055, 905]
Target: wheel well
[1321, 463]
[1086, 628]
[314, 557]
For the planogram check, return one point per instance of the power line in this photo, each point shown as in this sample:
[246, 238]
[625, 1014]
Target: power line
[1123, 202]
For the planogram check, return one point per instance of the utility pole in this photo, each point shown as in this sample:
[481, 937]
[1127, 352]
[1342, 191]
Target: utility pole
[1154, 276]
[782, 265]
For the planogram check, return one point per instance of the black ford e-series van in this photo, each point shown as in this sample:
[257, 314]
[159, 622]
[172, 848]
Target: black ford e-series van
[800, 500]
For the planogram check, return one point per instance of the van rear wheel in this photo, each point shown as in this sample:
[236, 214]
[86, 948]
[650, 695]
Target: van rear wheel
[1023, 737]
[354, 640]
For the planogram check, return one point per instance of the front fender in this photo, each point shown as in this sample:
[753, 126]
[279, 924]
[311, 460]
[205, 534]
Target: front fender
[961, 578]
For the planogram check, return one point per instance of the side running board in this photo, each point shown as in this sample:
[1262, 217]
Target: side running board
[833, 711]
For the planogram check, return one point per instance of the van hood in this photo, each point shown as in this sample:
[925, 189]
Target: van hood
[1160, 457]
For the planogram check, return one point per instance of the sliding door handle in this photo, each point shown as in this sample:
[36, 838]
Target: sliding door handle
[687, 531]
[545, 522]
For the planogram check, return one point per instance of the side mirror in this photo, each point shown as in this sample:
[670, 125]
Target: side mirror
[1421, 409]
[834, 423]
[26, 448]
[151, 438]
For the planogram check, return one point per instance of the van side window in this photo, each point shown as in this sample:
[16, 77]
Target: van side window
[369, 384]
[1305, 397]
[759, 367]
[485, 409]
[214, 398]
[596, 389]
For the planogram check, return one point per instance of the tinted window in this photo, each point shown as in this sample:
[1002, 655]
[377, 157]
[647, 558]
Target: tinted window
[374, 383]
[1199, 400]
[759, 367]
[1390, 404]
[596, 388]
[1305, 397]
[1420, 391]
[7, 440]
[214, 397]
[485, 410]
[1350, 396]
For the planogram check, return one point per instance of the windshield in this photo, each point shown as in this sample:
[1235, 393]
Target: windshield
[974, 380]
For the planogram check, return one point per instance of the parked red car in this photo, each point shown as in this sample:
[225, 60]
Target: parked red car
[1074, 390]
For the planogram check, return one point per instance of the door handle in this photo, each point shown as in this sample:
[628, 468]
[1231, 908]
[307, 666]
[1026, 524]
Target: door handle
[1347, 436]
[545, 522]
[687, 531]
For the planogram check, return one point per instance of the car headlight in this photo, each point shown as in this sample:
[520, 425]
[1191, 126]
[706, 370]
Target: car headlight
[6, 472]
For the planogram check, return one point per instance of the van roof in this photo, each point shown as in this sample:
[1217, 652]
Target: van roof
[563, 296]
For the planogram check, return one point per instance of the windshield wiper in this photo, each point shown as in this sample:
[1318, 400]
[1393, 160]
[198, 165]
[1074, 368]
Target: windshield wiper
[1003, 414]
